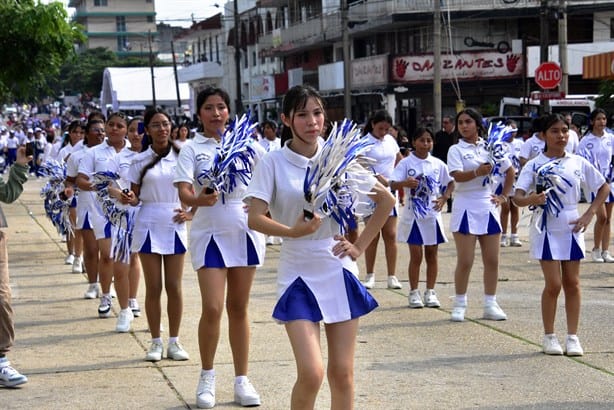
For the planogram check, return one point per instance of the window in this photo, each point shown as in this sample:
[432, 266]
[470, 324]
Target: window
[120, 23]
[150, 19]
[612, 28]
[122, 44]
[148, 1]
[100, 3]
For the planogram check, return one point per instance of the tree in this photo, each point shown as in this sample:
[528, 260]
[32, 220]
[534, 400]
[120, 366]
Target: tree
[35, 40]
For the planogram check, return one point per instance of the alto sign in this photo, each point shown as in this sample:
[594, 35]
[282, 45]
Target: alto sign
[548, 75]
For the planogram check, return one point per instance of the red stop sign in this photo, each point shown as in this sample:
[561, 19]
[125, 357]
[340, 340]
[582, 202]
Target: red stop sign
[548, 75]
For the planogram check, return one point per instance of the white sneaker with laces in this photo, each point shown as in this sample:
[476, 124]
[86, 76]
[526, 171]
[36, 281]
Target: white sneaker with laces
[492, 311]
[205, 393]
[503, 242]
[124, 320]
[551, 345]
[605, 255]
[133, 304]
[70, 259]
[415, 300]
[597, 255]
[154, 354]
[9, 377]
[393, 283]
[77, 265]
[245, 394]
[430, 299]
[92, 292]
[104, 309]
[369, 281]
[515, 241]
[458, 313]
[176, 352]
[572, 346]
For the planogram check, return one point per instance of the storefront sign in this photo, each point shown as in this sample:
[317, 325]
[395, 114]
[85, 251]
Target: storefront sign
[464, 66]
[330, 76]
[370, 71]
[262, 88]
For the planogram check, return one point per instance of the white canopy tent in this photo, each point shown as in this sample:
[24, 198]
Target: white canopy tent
[129, 88]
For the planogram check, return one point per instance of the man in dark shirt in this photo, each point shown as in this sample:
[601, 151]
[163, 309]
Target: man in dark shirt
[444, 139]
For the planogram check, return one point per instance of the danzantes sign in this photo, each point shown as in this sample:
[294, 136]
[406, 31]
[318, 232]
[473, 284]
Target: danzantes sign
[465, 66]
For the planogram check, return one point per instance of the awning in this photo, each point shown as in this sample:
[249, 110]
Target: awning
[598, 66]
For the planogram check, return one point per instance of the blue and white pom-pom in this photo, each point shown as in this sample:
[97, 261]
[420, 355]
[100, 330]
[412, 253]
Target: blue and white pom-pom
[420, 200]
[550, 181]
[498, 135]
[234, 159]
[333, 178]
[56, 204]
[121, 218]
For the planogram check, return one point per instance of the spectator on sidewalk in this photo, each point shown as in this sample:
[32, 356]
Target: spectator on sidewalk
[9, 192]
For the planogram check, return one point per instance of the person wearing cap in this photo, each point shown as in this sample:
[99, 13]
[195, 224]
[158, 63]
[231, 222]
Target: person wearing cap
[40, 142]
[12, 143]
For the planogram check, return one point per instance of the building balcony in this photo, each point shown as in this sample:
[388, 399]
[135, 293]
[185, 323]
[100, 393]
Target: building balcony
[200, 71]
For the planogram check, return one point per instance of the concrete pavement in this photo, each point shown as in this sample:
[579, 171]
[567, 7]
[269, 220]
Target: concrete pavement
[405, 358]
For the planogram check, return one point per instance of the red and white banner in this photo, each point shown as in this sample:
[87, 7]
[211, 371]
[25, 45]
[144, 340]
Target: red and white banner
[464, 66]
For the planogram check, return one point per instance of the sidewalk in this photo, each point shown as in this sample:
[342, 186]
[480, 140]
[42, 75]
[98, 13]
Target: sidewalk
[405, 358]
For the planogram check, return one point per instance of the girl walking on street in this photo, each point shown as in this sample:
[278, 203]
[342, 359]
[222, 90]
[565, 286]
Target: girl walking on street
[317, 275]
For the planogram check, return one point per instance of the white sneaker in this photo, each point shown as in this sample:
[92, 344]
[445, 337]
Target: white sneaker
[124, 320]
[69, 259]
[515, 241]
[369, 281]
[430, 299]
[154, 354]
[9, 377]
[104, 308]
[551, 345]
[176, 352]
[458, 313]
[205, 393]
[415, 300]
[270, 240]
[92, 292]
[133, 304]
[492, 311]
[503, 242]
[245, 394]
[607, 257]
[112, 291]
[573, 347]
[597, 255]
[393, 283]
[77, 265]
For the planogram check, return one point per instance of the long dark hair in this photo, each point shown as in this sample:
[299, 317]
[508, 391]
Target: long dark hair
[206, 93]
[592, 117]
[476, 116]
[546, 121]
[149, 114]
[378, 116]
[296, 99]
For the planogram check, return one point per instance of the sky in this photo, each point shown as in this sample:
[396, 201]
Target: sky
[179, 12]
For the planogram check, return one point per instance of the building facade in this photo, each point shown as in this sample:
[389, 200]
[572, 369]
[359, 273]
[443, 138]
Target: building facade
[127, 27]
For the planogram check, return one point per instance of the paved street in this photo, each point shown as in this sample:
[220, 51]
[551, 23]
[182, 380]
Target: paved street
[405, 359]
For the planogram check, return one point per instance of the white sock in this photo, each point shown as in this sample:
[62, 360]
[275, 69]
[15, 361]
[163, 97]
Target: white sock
[173, 339]
[489, 299]
[157, 340]
[460, 300]
[210, 372]
[240, 379]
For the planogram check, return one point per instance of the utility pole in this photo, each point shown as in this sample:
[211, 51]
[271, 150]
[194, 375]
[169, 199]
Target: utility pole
[176, 82]
[239, 101]
[437, 66]
[151, 69]
[345, 38]
[563, 46]
[544, 41]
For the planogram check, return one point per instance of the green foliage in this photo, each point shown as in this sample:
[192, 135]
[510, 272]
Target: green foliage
[606, 94]
[35, 40]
